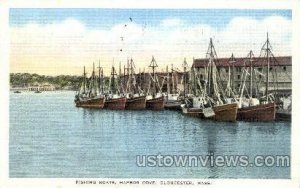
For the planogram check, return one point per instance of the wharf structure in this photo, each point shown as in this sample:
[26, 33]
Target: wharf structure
[280, 78]
[35, 87]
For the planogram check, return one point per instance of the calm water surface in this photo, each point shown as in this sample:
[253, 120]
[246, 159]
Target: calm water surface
[50, 137]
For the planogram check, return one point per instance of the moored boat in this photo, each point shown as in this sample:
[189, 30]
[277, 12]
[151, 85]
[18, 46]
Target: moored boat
[261, 112]
[254, 110]
[223, 109]
[115, 103]
[284, 110]
[283, 115]
[90, 97]
[173, 102]
[193, 107]
[156, 100]
[97, 102]
[172, 99]
[155, 103]
[136, 103]
[226, 112]
[194, 112]
[173, 105]
[135, 98]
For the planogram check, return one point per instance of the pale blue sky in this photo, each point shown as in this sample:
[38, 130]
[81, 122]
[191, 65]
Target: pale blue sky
[53, 41]
[106, 18]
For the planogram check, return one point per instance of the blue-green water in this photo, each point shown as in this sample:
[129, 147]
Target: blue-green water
[50, 137]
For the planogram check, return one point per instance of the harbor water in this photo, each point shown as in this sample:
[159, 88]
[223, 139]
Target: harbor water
[50, 138]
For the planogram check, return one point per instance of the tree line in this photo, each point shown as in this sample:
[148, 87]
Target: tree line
[59, 82]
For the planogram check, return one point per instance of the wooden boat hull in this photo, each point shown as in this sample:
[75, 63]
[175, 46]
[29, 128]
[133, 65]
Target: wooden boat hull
[136, 103]
[262, 112]
[91, 103]
[226, 112]
[155, 104]
[115, 104]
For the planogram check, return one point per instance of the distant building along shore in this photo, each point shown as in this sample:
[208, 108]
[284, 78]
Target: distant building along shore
[37, 87]
[282, 67]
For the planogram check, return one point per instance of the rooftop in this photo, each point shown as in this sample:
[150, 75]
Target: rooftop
[239, 62]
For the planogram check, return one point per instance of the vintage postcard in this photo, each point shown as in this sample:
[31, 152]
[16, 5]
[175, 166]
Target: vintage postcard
[184, 94]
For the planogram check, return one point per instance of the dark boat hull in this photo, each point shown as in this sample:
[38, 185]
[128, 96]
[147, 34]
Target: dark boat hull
[115, 104]
[173, 105]
[262, 112]
[226, 112]
[155, 104]
[283, 115]
[91, 103]
[136, 103]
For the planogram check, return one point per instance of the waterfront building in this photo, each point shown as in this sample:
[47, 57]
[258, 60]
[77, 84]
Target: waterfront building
[41, 87]
[280, 78]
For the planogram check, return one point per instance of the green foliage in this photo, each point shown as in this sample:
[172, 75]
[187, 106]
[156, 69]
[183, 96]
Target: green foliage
[60, 82]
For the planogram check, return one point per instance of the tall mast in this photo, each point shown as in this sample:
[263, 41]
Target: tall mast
[194, 77]
[140, 80]
[168, 81]
[93, 89]
[268, 68]
[120, 75]
[173, 84]
[184, 77]
[131, 75]
[102, 82]
[232, 60]
[251, 73]
[124, 78]
[210, 68]
[99, 76]
[113, 73]
[153, 65]
[84, 80]
[127, 85]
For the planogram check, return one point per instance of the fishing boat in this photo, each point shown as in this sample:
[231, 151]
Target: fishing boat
[155, 101]
[114, 101]
[223, 110]
[261, 112]
[135, 99]
[192, 105]
[283, 115]
[265, 109]
[90, 97]
[17, 91]
[173, 101]
[284, 111]
[86, 102]
[136, 103]
[226, 112]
